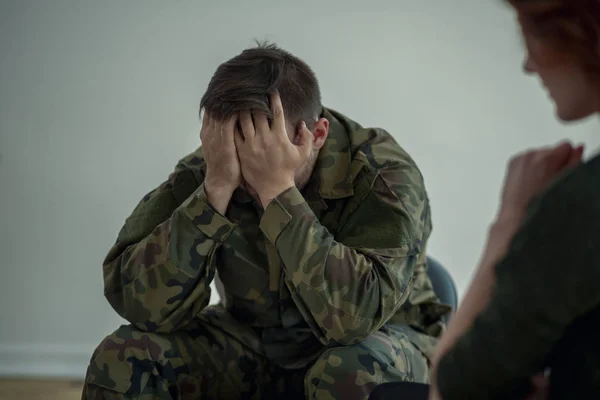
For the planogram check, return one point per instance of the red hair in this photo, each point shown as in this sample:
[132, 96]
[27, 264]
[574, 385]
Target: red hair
[568, 29]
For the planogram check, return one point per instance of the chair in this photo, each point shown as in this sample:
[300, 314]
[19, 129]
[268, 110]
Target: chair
[443, 284]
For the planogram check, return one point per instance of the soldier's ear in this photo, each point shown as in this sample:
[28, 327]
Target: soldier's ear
[320, 132]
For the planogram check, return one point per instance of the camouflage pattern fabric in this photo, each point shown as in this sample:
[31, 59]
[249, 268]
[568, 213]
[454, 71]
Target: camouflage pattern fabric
[202, 361]
[328, 268]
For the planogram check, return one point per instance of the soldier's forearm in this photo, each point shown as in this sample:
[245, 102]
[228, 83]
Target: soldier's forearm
[218, 197]
[350, 294]
[156, 284]
[161, 281]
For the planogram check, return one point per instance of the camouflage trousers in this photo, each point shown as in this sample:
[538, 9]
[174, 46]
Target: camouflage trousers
[204, 361]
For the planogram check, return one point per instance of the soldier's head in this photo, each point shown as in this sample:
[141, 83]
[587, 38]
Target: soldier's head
[562, 39]
[245, 82]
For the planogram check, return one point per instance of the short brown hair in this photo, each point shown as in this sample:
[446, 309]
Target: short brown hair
[246, 81]
[569, 29]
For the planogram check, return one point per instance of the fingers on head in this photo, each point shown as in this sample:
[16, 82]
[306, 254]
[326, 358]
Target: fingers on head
[247, 124]
[211, 120]
[205, 125]
[277, 109]
[228, 125]
[306, 136]
[237, 128]
[261, 123]
[238, 137]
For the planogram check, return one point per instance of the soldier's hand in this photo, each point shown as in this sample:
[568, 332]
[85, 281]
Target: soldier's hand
[269, 159]
[532, 172]
[223, 173]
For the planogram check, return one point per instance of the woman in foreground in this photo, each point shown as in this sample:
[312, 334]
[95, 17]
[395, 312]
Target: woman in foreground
[534, 304]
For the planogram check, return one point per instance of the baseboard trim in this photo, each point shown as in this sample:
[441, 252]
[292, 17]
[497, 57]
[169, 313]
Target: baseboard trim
[45, 360]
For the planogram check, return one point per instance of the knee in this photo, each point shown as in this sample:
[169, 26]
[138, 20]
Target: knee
[354, 371]
[348, 372]
[122, 358]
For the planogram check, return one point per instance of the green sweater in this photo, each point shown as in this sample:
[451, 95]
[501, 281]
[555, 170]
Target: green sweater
[549, 278]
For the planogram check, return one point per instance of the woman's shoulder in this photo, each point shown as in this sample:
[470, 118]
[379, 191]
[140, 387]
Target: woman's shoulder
[578, 187]
[561, 223]
[593, 166]
[555, 254]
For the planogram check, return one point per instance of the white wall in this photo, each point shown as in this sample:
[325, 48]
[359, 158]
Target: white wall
[98, 100]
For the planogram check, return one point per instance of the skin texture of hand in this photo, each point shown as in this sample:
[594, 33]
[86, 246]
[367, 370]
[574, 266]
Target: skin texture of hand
[223, 171]
[268, 158]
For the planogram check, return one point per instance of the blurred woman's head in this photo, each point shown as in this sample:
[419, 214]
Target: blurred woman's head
[563, 48]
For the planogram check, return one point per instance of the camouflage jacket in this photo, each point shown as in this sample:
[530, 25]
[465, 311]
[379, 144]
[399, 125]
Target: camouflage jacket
[327, 266]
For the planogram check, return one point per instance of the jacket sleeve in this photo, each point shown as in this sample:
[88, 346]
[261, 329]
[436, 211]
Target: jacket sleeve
[548, 279]
[348, 288]
[157, 275]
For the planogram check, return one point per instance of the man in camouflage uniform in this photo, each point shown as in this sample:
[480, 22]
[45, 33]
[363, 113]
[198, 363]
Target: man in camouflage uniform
[317, 231]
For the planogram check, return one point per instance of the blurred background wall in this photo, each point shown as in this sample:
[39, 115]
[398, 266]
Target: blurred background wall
[99, 99]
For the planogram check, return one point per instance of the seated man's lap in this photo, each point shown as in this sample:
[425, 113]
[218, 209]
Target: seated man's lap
[202, 358]
[352, 372]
